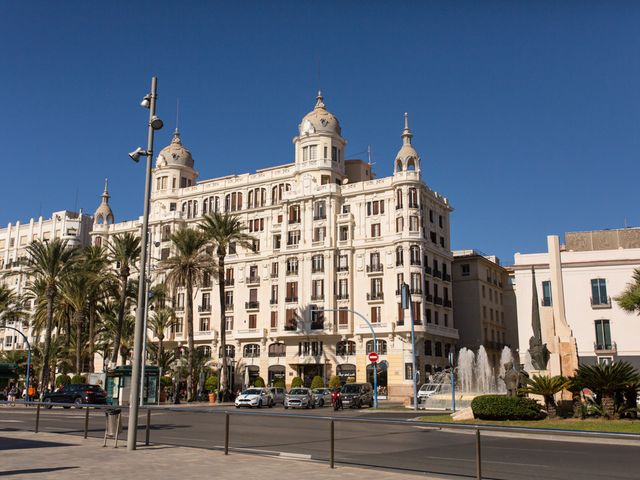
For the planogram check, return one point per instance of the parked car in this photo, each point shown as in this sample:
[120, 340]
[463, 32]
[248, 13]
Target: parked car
[254, 397]
[278, 394]
[322, 395]
[78, 394]
[299, 398]
[356, 395]
[426, 390]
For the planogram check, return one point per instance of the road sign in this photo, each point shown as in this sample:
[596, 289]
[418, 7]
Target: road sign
[373, 357]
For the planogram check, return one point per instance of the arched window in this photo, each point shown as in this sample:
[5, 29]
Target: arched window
[205, 351]
[195, 208]
[381, 347]
[411, 165]
[414, 253]
[346, 347]
[250, 199]
[204, 206]
[230, 351]
[98, 241]
[398, 199]
[277, 350]
[399, 256]
[251, 350]
[398, 165]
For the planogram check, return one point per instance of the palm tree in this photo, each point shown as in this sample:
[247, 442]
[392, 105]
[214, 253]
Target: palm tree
[629, 299]
[547, 387]
[50, 263]
[606, 380]
[159, 321]
[7, 299]
[186, 268]
[75, 293]
[224, 230]
[125, 252]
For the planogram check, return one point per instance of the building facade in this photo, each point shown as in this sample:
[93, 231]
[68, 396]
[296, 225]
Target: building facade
[73, 227]
[576, 285]
[330, 238]
[484, 304]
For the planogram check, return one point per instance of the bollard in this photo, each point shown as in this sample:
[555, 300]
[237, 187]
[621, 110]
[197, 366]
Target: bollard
[226, 433]
[332, 453]
[478, 457]
[146, 439]
[38, 417]
[86, 422]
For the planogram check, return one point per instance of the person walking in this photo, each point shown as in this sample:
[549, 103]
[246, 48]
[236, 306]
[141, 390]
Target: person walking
[13, 393]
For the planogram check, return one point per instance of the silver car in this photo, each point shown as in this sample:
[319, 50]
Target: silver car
[278, 394]
[322, 395]
[299, 398]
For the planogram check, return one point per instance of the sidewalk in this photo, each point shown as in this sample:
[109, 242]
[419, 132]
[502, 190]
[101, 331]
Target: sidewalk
[27, 455]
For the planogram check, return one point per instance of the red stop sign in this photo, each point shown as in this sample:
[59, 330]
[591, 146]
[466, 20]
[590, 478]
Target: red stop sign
[373, 357]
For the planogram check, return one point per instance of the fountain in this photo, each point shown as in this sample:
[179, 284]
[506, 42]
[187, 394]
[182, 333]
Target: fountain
[505, 357]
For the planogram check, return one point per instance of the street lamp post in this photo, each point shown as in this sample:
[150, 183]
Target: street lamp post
[155, 123]
[375, 347]
[407, 303]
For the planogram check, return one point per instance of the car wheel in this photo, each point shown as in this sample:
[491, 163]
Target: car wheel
[78, 403]
[270, 405]
[47, 402]
[237, 406]
[67, 407]
[321, 403]
[285, 407]
[260, 404]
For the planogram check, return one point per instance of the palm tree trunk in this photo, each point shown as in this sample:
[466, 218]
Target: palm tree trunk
[224, 380]
[51, 293]
[123, 302]
[608, 405]
[550, 405]
[160, 350]
[190, 380]
[79, 321]
[92, 328]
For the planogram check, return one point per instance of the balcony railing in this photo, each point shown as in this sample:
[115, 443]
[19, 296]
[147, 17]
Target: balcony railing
[546, 302]
[598, 303]
[447, 303]
[228, 282]
[321, 216]
[255, 279]
[316, 298]
[415, 291]
[342, 268]
[291, 299]
[342, 296]
[204, 308]
[375, 296]
[428, 270]
[605, 347]
[317, 325]
[375, 268]
[251, 305]
[429, 297]
[228, 307]
[179, 309]
[274, 275]
[446, 277]
[415, 261]
[438, 300]
[317, 269]
[291, 327]
[292, 272]
[273, 301]
[437, 273]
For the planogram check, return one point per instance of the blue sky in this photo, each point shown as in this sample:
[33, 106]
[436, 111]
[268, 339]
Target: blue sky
[526, 114]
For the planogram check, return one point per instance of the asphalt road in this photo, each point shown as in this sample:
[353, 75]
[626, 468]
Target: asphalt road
[405, 447]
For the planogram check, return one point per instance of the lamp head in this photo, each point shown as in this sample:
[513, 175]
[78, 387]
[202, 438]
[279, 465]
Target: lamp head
[137, 153]
[156, 123]
[146, 101]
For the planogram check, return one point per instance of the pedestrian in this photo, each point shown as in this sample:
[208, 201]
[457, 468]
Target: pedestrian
[13, 393]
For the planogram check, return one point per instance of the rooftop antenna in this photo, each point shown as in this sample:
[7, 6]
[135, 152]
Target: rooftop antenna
[75, 203]
[318, 72]
[369, 156]
[625, 223]
[177, 113]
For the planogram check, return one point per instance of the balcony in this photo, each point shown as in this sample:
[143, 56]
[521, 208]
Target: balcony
[437, 300]
[317, 269]
[321, 216]
[253, 280]
[292, 272]
[375, 268]
[598, 303]
[447, 303]
[274, 275]
[291, 327]
[342, 296]
[442, 331]
[446, 277]
[291, 299]
[228, 282]
[415, 262]
[228, 307]
[179, 308]
[317, 325]
[273, 301]
[251, 305]
[342, 268]
[429, 298]
[605, 348]
[415, 291]
[375, 297]
[204, 308]
[428, 270]
[437, 273]
[317, 298]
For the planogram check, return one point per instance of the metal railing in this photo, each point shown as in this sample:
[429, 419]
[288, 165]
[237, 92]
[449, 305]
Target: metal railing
[331, 420]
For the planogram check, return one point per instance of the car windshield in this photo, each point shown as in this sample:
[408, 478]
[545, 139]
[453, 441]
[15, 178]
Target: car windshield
[251, 391]
[427, 388]
[321, 391]
[298, 391]
[94, 388]
[351, 388]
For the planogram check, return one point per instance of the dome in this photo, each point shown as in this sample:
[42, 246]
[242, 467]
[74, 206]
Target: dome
[104, 214]
[407, 157]
[319, 120]
[175, 154]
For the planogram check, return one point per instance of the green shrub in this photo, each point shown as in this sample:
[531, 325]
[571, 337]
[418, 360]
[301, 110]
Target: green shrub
[77, 379]
[211, 383]
[296, 382]
[501, 407]
[317, 382]
[63, 379]
[166, 381]
[335, 382]
[279, 383]
[258, 382]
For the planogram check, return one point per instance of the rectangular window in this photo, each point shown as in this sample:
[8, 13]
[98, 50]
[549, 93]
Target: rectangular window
[343, 316]
[413, 223]
[466, 269]
[317, 289]
[343, 263]
[291, 321]
[599, 292]
[547, 301]
[375, 230]
[334, 154]
[204, 325]
[292, 292]
[343, 289]
[320, 210]
[294, 214]
[274, 270]
[293, 238]
[400, 315]
[228, 298]
[603, 335]
[376, 314]
[319, 233]
[228, 323]
[253, 321]
[408, 371]
[274, 294]
[313, 152]
[274, 319]
[417, 313]
[317, 263]
[428, 350]
[399, 224]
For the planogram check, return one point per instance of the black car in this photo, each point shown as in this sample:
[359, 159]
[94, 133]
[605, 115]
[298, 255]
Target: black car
[77, 394]
[356, 395]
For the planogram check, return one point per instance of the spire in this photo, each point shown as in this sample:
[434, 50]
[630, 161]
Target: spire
[176, 136]
[105, 193]
[320, 100]
[406, 133]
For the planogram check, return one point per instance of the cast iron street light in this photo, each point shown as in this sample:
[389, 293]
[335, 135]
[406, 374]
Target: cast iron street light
[155, 123]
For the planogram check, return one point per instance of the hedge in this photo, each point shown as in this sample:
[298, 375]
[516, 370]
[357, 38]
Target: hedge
[501, 407]
[211, 383]
[279, 383]
[63, 379]
[296, 382]
[78, 379]
[258, 382]
[317, 382]
[335, 382]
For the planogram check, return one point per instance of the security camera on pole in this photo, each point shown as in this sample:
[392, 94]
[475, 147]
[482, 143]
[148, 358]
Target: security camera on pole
[149, 101]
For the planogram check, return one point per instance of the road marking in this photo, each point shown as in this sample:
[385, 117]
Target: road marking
[488, 461]
[12, 421]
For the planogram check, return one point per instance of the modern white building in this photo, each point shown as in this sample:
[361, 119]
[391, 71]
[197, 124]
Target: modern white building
[73, 227]
[329, 235]
[576, 285]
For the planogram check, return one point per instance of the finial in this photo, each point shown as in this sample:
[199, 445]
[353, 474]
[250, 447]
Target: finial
[105, 193]
[176, 136]
[106, 185]
[319, 100]
[406, 133]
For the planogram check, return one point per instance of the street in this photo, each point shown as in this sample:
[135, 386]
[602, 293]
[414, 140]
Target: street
[409, 448]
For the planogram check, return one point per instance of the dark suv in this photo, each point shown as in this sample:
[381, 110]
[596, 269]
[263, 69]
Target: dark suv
[77, 394]
[355, 395]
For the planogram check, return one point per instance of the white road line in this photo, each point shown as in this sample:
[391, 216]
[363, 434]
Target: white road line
[11, 421]
[487, 461]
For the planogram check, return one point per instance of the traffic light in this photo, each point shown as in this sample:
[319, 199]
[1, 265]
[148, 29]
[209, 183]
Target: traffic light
[29, 371]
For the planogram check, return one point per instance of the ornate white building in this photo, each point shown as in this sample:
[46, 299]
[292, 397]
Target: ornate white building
[329, 236]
